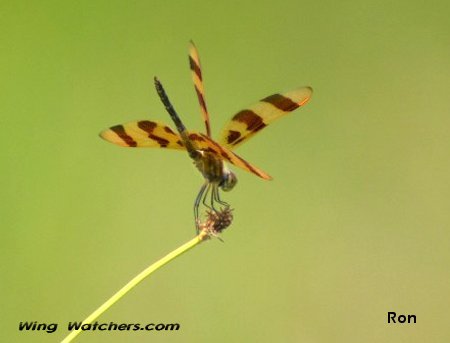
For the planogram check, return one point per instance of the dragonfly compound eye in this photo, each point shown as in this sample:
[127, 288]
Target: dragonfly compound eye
[229, 181]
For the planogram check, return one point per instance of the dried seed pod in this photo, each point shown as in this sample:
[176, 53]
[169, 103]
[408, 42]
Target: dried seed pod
[217, 221]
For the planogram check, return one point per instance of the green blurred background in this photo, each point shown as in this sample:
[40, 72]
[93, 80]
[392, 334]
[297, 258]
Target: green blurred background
[355, 223]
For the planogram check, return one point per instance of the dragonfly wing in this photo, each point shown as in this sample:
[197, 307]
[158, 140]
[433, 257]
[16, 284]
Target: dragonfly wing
[207, 144]
[143, 134]
[248, 122]
[196, 71]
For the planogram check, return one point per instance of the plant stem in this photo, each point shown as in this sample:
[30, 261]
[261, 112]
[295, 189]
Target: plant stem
[135, 281]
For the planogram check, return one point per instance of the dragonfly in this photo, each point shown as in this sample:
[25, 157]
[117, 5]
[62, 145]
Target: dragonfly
[211, 157]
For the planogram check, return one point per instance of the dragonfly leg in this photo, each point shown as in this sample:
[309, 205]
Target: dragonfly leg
[209, 197]
[206, 195]
[216, 195]
[199, 198]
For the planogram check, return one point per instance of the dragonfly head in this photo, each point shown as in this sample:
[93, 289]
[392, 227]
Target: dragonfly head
[229, 180]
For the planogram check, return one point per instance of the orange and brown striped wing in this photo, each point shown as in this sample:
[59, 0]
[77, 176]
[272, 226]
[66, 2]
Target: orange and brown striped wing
[246, 123]
[143, 133]
[196, 71]
[205, 143]
[152, 134]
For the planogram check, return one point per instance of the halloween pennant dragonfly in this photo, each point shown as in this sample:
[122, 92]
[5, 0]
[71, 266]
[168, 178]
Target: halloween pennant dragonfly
[209, 156]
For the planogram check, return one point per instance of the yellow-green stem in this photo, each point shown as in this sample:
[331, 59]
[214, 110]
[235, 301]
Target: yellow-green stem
[136, 280]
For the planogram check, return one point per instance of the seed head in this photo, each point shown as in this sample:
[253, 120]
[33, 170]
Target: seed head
[217, 221]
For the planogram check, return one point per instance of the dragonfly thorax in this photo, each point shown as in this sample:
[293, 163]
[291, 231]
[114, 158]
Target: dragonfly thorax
[214, 170]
